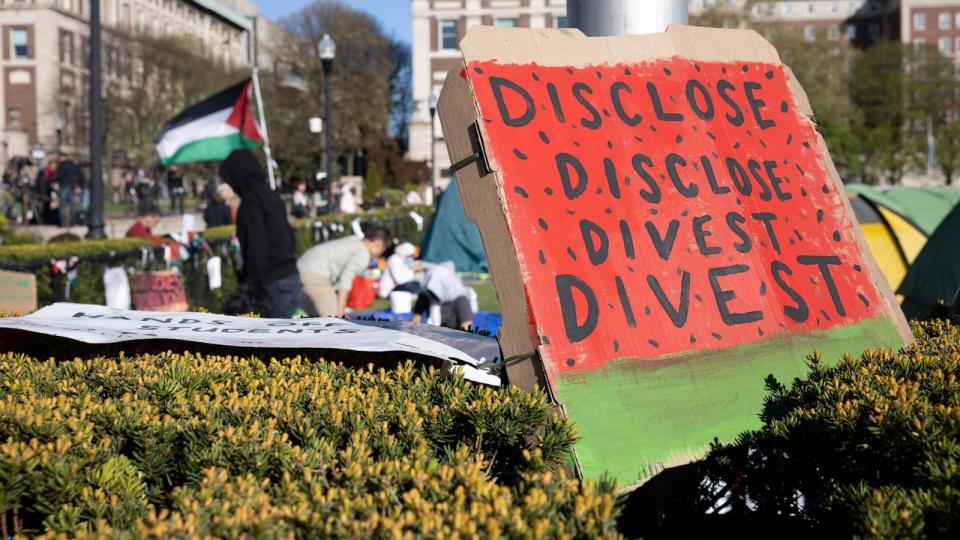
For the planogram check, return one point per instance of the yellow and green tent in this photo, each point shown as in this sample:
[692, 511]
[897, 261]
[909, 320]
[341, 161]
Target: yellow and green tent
[897, 221]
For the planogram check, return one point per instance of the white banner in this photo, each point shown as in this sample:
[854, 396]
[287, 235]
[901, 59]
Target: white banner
[99, 324]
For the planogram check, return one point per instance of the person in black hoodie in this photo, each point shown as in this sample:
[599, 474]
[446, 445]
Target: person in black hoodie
[266, 238]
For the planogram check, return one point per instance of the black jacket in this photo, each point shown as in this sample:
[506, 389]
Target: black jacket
[216, 214]
[266, 238]
[69, 174]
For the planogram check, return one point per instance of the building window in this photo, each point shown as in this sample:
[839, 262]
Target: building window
[448, 34]
[956, 19]
[506, 22]
[66, 48]
[873, 31]
[19, 43]
[810, 8]
[851, 32]
[786, 7]
[833, 7]
[809, 32]
[919, 42]
[943, 45]
[562, 22]
[833, 33]
[13, 116]
[919, 21]
[943, 21]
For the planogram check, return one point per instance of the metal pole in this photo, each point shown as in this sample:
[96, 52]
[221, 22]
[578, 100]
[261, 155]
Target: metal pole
[95, 226]
[433, 155]
[263, 128]
[625, 17]
[328, 129]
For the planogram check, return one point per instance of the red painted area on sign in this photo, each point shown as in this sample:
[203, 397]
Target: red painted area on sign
[667, 207]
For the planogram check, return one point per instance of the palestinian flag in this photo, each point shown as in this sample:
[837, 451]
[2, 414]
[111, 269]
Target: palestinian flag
[211, 129]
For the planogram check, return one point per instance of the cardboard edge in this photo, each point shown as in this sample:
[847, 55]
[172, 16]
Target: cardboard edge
[482, 205]
[876, 276]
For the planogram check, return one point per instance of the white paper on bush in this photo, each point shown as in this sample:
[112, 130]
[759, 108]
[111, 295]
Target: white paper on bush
[99, 324]
[116, 287]
[214, 278]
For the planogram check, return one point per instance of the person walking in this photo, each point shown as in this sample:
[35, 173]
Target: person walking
[266, 238]
[175, 187]
[71, 189]
[328, 270]
[45, 186]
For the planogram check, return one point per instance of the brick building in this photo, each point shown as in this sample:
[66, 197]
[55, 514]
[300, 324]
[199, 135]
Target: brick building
[44, 63]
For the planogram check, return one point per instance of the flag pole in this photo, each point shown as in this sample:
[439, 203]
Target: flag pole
[263, 125]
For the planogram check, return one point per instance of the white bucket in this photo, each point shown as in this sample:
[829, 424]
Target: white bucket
[401, 302]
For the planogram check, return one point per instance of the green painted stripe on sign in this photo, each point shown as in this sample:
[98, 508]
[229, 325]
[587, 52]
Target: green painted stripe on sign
[639, 419]
[211, 149]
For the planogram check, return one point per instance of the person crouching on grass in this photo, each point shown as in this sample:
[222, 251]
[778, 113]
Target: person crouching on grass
[328, 270]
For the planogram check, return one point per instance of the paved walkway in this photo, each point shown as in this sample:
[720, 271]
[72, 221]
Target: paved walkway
[116, 227]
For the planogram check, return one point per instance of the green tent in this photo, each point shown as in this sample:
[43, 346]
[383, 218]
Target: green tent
[452, 238]
[935, 274]
[925, 207]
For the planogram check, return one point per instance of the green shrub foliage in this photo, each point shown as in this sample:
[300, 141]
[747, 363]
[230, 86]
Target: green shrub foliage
[868, 447]
[187, 445]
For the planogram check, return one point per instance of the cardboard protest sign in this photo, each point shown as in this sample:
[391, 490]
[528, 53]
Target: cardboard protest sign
[159, 291]
[665, 229]
[18, 292]
[474, 356]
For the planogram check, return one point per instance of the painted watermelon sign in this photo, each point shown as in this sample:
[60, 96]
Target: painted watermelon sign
[671, 223]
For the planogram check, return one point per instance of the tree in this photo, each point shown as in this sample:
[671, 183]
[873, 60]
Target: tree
[371, 182]
[948, 150]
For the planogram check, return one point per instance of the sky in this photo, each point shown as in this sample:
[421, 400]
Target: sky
[394, 15]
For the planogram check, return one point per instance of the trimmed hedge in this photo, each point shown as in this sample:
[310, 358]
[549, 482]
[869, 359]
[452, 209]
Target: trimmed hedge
[98, 255]
[868, 447]
[189, 445]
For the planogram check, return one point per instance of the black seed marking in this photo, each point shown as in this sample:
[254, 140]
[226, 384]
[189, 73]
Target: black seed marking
[825, 189]
[783, 106]
[599, 75]
[692, 339]
[542, 257]
[571, 253]
[738, 202]
[696, 67]
[630, 269]
[800, 169]
[487, 120]
[653, 211]
[763, 144]
[522, 192]
[609, 144]
[654, 343]
[684, 213]
[856, 268]
[606, 113]
[698, 298]
[803, 191]
[749, 133]
[763, 288]
[609, 305]
[478, 70]
[679, 139]
[784, 161]
[570, 71]
[571, 362]
[616, 345]
[819, 215]
[638, 139]
[646, 310]
[864, 299]
[789, 140]
[799, 236]
[768, 75]
[760, 331]
[548, 191]
[599, 191]
[519, 154]
[716, 336]
[653, 127]
[575, 143]
[545, 340]
[825, 316]
[543, 107]
[806, 144]
[609, 211]
[626, 71]
[711, 135]
[667, 71]
[715, 155]
[836, 236]
[723, 69]
[544, 138]
[535, 77]
[695, 128]
[745, 69]
[672, 99]
[793, 242]
[736, 146]
[571, 212]
[543, 224]
[626, 180]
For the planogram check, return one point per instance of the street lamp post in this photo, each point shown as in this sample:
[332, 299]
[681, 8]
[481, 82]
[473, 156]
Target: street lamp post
[328, 51]
[433, 145]
[95, 225]
[58, 127]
